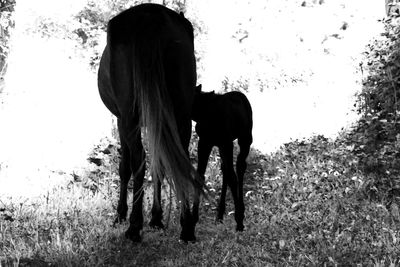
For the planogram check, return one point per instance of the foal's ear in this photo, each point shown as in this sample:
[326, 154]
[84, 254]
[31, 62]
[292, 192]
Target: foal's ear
[198, 88]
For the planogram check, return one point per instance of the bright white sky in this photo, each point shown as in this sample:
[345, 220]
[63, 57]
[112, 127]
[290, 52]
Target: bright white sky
[321, 105]
[53, 114]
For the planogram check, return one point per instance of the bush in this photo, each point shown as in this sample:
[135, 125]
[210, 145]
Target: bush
[376, 136]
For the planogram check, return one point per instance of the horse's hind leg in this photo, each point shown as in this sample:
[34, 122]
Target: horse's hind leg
[241, 165]
[187, 221]
[203, 152]
[132, 135]
[226, 152]
[221, 204]
[124, 174]
[156, 210]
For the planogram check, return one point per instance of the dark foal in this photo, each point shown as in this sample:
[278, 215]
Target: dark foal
[147, 77]
[222, 118]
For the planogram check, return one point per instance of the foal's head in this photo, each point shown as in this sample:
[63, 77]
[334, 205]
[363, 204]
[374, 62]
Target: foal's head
[203, 101]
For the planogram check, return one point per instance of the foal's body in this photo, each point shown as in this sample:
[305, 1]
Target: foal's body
[220, 120]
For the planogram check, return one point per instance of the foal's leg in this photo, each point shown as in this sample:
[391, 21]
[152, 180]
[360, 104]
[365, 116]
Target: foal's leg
[226, 152]
[124, 174]
[203, 152]
[137, 156]
[226, 175]
[221, 205]
[156, 210]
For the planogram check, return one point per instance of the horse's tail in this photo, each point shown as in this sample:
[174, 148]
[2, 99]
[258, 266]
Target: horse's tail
[153, 101]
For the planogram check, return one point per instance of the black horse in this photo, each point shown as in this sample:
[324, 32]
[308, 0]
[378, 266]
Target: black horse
[220, 120]
[147, 77]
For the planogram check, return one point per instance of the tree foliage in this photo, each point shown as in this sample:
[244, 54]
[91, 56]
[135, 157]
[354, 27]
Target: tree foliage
[376, 136]
[93, 19]
[6, 24]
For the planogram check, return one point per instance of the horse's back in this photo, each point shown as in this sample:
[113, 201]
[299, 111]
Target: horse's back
[240, 112]
[238, 103]
[224, 118]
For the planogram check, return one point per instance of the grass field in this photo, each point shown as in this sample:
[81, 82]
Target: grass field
[306, 205]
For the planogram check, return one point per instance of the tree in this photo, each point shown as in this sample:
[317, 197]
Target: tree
[6, 25]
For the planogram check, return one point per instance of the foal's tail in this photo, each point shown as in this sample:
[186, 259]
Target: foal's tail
[153, 101]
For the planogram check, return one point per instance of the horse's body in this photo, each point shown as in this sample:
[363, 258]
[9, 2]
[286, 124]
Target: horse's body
[147, 77]
[220, 120]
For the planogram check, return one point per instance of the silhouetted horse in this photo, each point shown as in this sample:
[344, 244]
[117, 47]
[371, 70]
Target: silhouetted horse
[220, 120]
[147, 77]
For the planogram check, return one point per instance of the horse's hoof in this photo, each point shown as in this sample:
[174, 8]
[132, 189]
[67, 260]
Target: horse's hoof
[134, 236]
[156, 225]
[190, 240]
[239, 228]
[119, 219]
[187, 238]
[180, 241]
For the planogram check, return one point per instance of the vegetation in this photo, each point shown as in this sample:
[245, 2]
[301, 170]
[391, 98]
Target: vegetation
[94, 17]
[306, 204]
[376, 136]
[315, 202]
[6, 24]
